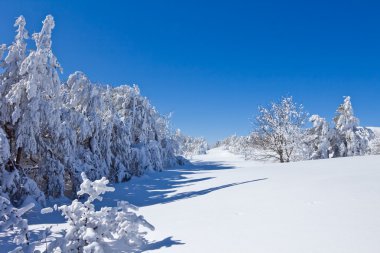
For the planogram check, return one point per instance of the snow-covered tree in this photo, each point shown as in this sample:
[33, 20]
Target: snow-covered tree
[350, 139]
[280, 131]
[11, 220]
[11, 65]
[89, 229]
[241, 145]
[35, 110]
[375, 145]
[101, 130]
[319, 138]
[189, 146]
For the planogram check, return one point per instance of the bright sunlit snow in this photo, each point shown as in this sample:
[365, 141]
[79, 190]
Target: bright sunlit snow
[223, 203]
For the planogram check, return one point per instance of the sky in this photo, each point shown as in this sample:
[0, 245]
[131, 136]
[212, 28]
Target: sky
[212, 63]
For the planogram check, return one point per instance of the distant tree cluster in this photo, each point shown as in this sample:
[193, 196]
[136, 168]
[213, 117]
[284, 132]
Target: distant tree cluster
[190, 146]
[242, 145]
[280, 134]
[52, 131]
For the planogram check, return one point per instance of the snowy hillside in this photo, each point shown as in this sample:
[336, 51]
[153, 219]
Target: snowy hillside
[223, 203]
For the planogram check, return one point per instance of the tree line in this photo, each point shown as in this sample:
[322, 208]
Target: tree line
[280, 134]
[51, 130]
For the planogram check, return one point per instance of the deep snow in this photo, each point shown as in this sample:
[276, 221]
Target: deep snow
[223, 203]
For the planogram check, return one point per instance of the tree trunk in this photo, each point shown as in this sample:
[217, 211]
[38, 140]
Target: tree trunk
[281, 156]
[18, 157]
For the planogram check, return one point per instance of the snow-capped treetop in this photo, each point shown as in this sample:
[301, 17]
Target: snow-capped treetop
[320, 124]
[43, 38]
[11, 64]
[345, 118]
[18, 48]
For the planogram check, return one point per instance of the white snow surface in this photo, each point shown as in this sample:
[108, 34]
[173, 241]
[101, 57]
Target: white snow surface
[223, 203]
[314, 206]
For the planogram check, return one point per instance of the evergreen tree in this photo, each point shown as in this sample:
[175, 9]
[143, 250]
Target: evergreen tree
[320, 138]
[350, 139]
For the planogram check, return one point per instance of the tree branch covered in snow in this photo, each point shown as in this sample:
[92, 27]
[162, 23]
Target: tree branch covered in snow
[11, 220]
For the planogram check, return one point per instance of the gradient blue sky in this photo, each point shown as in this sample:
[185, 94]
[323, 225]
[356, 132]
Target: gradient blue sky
[212, 63]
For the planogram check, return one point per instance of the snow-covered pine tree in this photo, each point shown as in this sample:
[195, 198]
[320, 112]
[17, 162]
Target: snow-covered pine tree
[11, 75]
[350, 139]
[119, 134]
[36, 116]
[16, 185]
[319, 138]
[82, 127]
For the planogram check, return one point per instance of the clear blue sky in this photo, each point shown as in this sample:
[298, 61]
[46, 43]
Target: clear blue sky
[212, 63]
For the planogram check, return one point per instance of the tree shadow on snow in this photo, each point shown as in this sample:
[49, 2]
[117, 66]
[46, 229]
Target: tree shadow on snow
[165, 243]
[158, 188]
[161, 188]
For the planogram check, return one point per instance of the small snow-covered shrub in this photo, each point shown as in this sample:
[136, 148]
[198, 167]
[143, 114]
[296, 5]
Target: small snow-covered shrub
[90, 230]
[11, 220]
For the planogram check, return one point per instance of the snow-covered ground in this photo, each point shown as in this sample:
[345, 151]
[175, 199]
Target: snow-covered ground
[223, 203]
[226, 204]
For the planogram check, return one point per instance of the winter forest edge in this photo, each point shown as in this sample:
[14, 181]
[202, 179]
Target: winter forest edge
[52, 132]
[72, 138]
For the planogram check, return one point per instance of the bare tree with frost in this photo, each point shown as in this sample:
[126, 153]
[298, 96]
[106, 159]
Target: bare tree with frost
[280, 132]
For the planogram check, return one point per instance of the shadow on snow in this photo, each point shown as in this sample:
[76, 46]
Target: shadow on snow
[158, 188]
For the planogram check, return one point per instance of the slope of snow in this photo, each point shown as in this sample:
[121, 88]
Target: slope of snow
[223, 203]
[315, 206]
